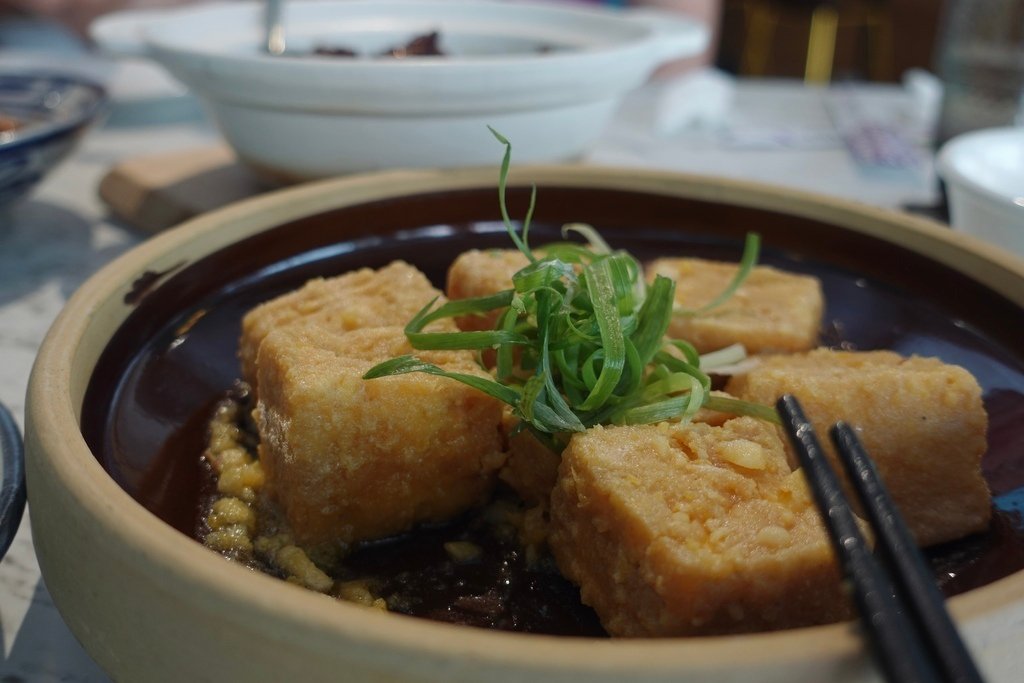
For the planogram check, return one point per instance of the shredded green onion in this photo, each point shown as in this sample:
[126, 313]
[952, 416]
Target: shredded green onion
[729, 355]
[581, 340]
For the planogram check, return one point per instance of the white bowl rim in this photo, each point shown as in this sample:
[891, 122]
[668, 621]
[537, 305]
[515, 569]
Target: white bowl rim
[53, 430]
[949, 170]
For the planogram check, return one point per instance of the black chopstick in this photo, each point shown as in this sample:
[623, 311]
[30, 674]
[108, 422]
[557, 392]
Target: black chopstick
[901, 608]
[923, 600]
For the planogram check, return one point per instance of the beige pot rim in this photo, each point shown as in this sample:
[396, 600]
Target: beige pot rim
[67, 355]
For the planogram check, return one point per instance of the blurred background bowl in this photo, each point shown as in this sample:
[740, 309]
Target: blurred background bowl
[547, 76]
[984, 176]
[42, 116]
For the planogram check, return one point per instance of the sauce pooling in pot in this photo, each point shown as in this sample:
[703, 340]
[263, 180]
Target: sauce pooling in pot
[471, 570]
[500, 589]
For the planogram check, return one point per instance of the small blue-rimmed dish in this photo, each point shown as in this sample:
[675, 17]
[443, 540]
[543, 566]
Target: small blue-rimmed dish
[12, 479]
[42, 115]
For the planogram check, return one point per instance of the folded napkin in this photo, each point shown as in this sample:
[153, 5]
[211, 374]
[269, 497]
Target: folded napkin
[698, 99]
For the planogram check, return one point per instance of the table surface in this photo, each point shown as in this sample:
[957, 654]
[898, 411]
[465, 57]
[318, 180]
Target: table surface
[773, 131]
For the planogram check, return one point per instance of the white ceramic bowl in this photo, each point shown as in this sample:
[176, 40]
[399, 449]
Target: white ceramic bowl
[158, 328]
[984, 174]
[548, 76]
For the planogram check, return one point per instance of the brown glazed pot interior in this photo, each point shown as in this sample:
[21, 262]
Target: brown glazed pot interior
[175, 355]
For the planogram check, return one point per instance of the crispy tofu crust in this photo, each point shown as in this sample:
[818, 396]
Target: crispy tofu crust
[361, 298]
[530, 467]
[692, 529]
[481, 273]
[772, 311]
[921, 420]
[350, 459]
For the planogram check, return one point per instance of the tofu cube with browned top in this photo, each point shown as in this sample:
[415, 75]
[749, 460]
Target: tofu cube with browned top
[349, 459]
[772, 311]
[692, 529]
[921, 420]
[391, 295]
[531, 467]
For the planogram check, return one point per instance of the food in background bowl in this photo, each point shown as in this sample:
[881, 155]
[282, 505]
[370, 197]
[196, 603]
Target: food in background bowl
[9, 124]
[148, 601]
[425, 45]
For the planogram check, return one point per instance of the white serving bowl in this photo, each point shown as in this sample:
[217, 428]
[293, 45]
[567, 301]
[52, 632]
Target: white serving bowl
[547, 76]
[984, 175]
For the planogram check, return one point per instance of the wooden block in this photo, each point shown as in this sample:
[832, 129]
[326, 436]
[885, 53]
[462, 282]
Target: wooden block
[153, 193]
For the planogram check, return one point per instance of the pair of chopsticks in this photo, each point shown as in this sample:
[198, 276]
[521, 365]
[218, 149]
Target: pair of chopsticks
[902, 610]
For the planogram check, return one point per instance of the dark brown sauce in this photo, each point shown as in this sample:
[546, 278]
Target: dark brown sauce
[145, 283]
[978, 559]
[501, 590]
[154, 389]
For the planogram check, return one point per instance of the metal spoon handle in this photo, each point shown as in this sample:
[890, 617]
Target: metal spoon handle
[274, 28]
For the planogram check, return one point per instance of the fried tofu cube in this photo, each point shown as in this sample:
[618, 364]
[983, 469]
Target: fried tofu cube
[771, 311]
[921, 420]
[361, 298]
[692, 529]
[530, 468]
[482, 273]
[349, 459]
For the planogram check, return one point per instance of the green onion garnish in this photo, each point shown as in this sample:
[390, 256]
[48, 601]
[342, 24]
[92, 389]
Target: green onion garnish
[581, 340]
